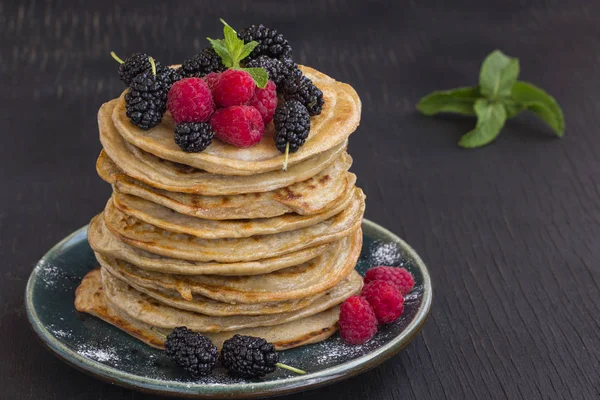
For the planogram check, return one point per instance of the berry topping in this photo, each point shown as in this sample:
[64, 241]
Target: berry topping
[146, 100]
[193, 137]
[212, 79]
[358, 323]
[265, 101]
[190, 100]
[270, 42]
[292, 125]
[241, 126]
[249, 357]
[203, 63]
[386, 300]
[132, 67]
[234, 88]
[400, 277]
[192, 351]
[306, 93]
[279, 71]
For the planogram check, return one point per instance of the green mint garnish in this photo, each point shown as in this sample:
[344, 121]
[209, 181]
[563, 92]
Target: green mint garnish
[498, 96]
[232, 50]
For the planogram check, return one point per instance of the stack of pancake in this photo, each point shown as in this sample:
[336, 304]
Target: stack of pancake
[224, 241]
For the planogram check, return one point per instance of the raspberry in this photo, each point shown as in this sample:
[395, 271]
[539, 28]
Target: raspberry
[212, 79]
[234, 88]
[400, 277]
[358, 323]
[241, 126]
[265, 101]
[386, 300]
[190, 100]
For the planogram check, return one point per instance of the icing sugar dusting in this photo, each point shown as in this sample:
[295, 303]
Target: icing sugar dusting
[388, 253]
[99, 354]
[49, 273]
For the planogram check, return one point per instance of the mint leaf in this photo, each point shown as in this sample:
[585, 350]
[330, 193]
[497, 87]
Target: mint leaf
[490, 120]
[536, 100]
[459, 100]
[221, 49]
[512, 108]
[260, 76]
[233, 43]
[498, 75]
[248, 47]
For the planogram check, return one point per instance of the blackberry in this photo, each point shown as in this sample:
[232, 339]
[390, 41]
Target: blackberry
[192, 351]
[292, 125]
[279, 71]
[146, 100]
[193, 137]
[249, 357]
[270, 42]
[306, 93]
[202, 64]
[133, 66]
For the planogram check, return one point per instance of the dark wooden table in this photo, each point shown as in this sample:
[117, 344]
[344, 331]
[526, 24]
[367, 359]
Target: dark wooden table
[511, 232]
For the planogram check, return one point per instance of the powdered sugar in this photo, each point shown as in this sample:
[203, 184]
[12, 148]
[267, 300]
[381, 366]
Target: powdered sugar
[49, 274]
[102, 354]
[388, 254]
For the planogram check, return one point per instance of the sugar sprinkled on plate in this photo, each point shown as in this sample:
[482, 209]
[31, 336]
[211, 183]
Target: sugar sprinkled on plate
[388, 253]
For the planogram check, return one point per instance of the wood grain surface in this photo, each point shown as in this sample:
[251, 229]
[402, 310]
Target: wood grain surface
[511, 232]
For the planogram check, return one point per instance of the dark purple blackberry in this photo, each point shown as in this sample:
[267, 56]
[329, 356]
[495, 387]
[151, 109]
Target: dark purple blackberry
[192, 351]
[306, 93]
[146, 100]
[292, 125]
[193, 137]
[248, 357]
[270, 42]
[279, 71]
[202, 64]
[133, 66]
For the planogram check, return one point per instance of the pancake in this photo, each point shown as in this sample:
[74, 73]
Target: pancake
[310, 278]
[103, 241]
[90, 298]
[175, 177]
[312, 196]
[339, 118]
[187, 247]
[206, 306]
[143, 308]
[167, 219]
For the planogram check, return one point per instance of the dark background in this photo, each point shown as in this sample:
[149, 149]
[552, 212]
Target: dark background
[511, 232]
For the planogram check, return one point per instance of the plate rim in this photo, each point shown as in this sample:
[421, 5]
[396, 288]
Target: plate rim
[239, 390]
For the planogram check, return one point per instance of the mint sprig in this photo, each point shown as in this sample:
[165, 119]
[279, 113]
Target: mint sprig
[498, 97]
[233, 50]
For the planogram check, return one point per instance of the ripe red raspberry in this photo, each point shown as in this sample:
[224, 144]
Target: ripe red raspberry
[265, 101]
[241, 126]
[358, 323]
[234, 88]
[386, 300]
[400, 277]
[190, 100]
[212, 79]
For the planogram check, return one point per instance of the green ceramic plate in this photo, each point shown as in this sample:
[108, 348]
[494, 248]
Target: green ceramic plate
[102, 350]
